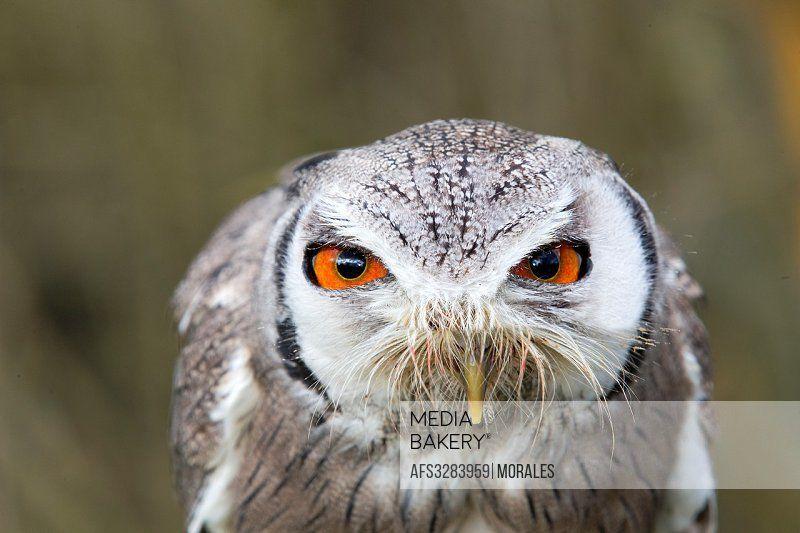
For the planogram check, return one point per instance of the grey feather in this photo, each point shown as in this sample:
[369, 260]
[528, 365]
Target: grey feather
[260, 443]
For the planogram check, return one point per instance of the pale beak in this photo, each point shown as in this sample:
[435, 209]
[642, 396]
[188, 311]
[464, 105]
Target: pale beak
[474, 383]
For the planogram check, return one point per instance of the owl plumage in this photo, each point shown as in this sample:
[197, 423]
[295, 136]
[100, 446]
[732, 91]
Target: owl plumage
[281, 388]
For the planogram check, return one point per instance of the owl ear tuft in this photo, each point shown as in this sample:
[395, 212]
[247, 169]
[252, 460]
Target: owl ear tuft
[295, 174]
[312, 161]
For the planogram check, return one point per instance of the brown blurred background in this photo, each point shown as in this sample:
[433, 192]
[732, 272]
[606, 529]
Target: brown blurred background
[128, 129]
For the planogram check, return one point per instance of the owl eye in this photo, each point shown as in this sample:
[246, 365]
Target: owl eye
[559, 263]
[336, 268]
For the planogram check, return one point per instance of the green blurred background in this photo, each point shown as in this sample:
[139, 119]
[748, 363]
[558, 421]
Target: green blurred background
[129, 129]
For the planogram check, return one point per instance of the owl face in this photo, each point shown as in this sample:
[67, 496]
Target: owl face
[466, 260]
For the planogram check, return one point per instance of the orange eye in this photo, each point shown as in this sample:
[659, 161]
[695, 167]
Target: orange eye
[561, 263]
[336, 268]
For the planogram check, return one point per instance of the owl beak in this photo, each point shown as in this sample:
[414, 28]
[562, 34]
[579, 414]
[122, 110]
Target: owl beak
[475, 385]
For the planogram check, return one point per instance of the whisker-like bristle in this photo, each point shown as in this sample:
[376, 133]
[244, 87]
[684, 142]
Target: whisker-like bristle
[423, 353]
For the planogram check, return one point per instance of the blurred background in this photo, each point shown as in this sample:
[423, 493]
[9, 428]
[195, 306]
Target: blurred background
[129, 129]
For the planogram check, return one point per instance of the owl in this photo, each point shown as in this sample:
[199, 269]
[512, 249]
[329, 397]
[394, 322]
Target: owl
[462, 260]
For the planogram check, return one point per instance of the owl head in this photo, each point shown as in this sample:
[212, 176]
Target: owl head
[462, 260]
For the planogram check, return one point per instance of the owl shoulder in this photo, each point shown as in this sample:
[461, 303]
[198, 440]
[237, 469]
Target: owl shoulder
[216, 328]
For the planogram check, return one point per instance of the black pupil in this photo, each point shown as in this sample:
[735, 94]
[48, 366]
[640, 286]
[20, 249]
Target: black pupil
[351, 264]
[544, 264]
